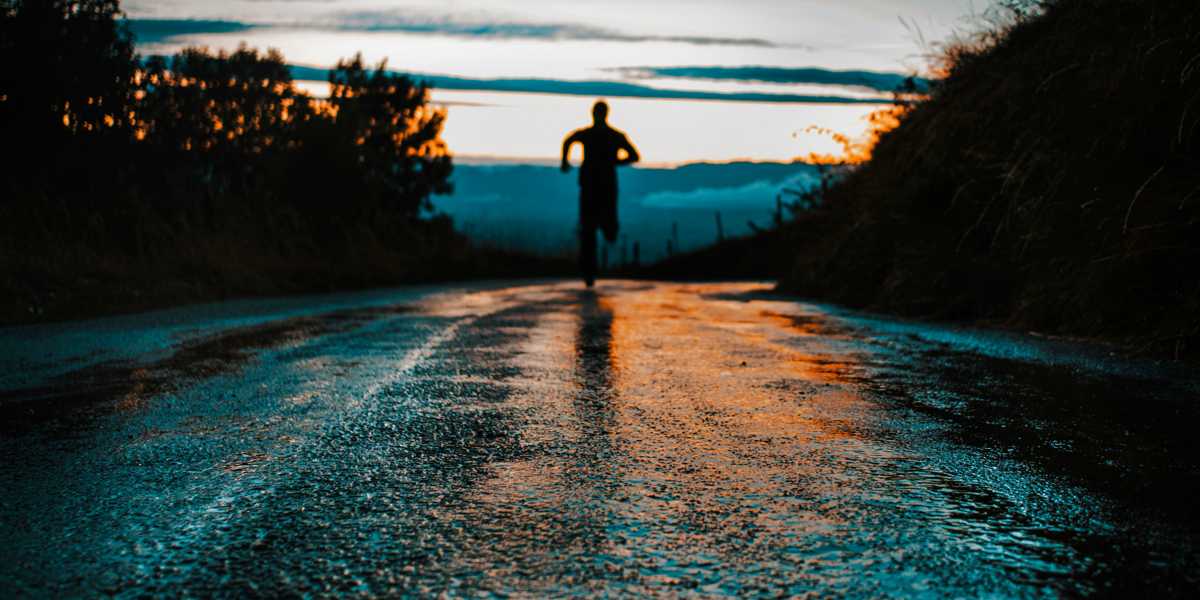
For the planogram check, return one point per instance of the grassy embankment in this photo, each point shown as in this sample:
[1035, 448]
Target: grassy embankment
[80, 278]
[1050, 181]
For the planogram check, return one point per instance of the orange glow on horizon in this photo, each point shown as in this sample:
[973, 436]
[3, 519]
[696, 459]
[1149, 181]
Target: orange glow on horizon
[857, 150]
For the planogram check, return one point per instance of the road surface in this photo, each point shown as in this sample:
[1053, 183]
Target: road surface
[538, 439]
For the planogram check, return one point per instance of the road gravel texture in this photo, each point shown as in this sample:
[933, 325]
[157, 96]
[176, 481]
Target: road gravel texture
[543, 440]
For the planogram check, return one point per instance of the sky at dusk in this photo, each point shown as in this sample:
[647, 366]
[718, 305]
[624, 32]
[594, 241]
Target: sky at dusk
[675, 73]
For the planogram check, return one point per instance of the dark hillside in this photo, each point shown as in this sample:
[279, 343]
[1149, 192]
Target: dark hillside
[1051, 181]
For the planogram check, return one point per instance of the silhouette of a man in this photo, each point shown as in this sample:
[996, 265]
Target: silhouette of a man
[602, 146]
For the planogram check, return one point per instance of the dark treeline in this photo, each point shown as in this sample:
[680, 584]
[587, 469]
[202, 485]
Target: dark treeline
[1050, 181]
[142, 180]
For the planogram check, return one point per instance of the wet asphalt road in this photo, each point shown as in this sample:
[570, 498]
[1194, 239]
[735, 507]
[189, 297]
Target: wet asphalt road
[540, 440]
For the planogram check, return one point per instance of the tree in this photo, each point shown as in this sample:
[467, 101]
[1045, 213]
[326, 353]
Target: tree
[229, 111]
[205, 163]
[66, 68]
[393, 132]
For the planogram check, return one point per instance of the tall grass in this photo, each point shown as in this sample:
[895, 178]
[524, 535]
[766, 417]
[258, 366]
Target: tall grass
[1051, 180]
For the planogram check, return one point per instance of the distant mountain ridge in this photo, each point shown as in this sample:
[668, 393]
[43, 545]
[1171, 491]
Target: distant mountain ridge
[535, 207]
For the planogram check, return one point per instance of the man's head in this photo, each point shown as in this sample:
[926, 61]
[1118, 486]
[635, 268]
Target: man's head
[600, 112]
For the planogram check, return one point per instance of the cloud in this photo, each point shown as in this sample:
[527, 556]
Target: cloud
[160, 30]
[153, 31]
[611, 89]
[405, 22]
[879, 81]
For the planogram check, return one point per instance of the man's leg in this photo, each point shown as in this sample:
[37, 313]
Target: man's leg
[609, 230]
[587, 251]
[607, 216]
[606, 219]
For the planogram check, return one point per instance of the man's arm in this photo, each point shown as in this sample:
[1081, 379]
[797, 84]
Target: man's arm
[566, 150]
[631, 153]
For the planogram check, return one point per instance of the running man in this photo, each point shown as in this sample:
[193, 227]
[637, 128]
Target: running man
[602, 146]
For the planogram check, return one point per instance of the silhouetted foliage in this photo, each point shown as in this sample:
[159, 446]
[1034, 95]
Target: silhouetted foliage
[206, 170]
[66, 74]
[388, 121]
[66, 68]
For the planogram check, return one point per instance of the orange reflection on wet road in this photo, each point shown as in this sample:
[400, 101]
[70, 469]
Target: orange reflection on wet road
[544, 440]
[731, 441]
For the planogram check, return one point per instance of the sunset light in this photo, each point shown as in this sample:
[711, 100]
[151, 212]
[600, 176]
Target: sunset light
[600, 299]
